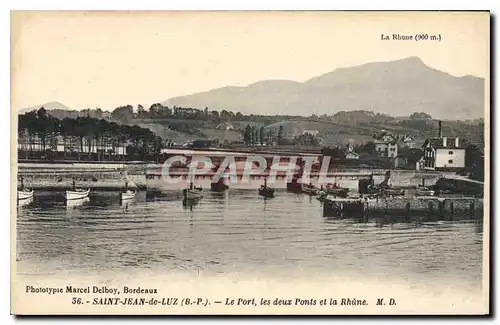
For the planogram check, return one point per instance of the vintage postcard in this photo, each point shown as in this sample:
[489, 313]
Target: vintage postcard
[250, 163]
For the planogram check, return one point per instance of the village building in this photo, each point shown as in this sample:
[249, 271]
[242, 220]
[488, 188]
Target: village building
[225, 126]
[351, 154]
[408, 141]
[386, 145]
[446, 153]
[314, 133]
[410, 159]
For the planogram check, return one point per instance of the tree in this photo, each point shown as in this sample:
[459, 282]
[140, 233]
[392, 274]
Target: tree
[261, 135]
[280, 134]
[254, 135]
[474, 162]
[141, 112]
[123, 114]
[41, 125]
[247, 136]
[420, 116]
[338, 153]
[368, 147]
[225, 115]
[270, 136]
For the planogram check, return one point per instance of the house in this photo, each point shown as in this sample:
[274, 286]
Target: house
[444, 153]
[386, 145]
[225, 126]
[351, 154]
[408, 141]
[314, 133]
[409, 159]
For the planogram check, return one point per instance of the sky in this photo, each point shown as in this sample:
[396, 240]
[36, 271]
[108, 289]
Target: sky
[110, 59]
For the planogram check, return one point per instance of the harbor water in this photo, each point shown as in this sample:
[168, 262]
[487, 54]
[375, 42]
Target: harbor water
[237, 231]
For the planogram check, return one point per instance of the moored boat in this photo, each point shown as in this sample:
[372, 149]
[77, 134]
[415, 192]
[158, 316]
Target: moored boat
[218, 186]
[424, 191]
[309, 189]
[266, 191]
[77, 194]
[336, 190]
[128, 195]
[321, 195]
[192, 193]
[24, 194]
[76, 202]
[392, 191]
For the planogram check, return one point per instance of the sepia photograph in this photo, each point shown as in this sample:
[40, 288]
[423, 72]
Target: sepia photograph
[250, 162]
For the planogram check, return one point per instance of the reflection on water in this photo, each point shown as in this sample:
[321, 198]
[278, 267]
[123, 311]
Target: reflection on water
[125, 203]
[238, 231]
[24, 202]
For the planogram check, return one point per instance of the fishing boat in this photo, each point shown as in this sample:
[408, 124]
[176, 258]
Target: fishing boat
[321, 195]
[336, 190]
[424, 191]
[192, 193]
[128, 195]
[393, 191]
[309, 189]
[24, 194]
[218, 186]
[77, 194]
[266, 191]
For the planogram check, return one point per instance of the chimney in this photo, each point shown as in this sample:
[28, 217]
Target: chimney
[457, 142]
[444, 141]
[440, 132]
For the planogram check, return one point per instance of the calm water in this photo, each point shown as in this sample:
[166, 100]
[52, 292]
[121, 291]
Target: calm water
[238, 232]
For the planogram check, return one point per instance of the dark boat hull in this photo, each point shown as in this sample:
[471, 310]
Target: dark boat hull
[269, 193]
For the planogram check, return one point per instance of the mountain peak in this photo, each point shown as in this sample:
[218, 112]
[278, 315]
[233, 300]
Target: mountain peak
[48, 106]
[397, 87]
[54, 105]
[413, 59]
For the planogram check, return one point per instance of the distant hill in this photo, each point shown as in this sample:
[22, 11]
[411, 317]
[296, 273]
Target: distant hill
[394, 88]
[47, 106]
[62, 111]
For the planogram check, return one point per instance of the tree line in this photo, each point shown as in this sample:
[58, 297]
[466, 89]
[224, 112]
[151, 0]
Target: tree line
[262, 136]
[42, 129]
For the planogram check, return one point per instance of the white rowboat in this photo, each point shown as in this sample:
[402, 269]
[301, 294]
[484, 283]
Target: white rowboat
[128, 195]
[424, 191]
[77, 194]
[24, 194]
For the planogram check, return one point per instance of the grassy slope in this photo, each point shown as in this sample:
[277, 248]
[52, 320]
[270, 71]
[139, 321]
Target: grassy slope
[334, 132]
